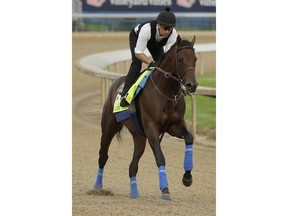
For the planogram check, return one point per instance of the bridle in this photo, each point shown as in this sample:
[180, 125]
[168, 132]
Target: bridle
[180, 75]
[187, 69]
[177, 79]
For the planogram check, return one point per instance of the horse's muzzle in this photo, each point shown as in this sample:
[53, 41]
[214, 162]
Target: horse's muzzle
[191, 87]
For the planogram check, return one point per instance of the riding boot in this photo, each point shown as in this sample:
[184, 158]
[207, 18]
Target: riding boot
[124, 94]
[130, 80]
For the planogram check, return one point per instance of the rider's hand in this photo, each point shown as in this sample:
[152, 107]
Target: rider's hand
[153, 64]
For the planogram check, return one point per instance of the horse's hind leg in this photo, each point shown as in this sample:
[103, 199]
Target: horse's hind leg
[109, 130]
[139, 147]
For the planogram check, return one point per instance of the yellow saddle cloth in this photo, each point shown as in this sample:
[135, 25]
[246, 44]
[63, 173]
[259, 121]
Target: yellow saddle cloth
[133, 91]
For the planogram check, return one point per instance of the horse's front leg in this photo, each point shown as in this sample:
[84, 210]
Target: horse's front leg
[179, 130]
[188, 158]
[153, 138]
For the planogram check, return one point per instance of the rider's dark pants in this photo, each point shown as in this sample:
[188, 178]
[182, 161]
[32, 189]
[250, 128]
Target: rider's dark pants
[136, 64]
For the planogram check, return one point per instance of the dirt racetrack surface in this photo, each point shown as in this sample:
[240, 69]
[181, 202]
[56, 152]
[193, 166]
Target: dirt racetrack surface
[197, 200]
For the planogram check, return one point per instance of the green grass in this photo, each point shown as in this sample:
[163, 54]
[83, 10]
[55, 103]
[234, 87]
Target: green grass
[207, 81]
[205, 106]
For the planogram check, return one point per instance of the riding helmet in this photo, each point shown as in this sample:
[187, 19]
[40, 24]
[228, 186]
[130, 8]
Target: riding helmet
[167, 18]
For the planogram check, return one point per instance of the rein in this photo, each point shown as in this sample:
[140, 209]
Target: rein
[175, 100]
[170, 75]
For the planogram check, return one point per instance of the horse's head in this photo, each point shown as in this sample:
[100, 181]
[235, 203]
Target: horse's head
[185, 65]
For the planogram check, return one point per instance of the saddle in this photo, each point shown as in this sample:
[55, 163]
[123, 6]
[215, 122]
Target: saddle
[123, 113]
[133, 91]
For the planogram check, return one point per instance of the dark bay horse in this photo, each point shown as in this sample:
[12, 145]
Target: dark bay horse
[160, 108]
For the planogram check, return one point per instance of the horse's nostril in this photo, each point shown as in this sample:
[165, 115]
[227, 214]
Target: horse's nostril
[191, 85]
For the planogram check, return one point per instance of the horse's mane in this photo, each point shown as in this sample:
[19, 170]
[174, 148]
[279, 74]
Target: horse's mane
[183, 43]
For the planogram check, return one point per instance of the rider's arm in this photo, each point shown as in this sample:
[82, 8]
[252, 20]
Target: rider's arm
[143, 38]
[143, 58]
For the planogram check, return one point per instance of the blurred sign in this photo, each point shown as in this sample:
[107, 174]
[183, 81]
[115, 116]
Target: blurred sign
[136, 6]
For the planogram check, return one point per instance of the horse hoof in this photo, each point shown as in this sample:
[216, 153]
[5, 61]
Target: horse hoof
[166, 197]
[187, 179]
[97, 187]
[166, 194]
[134, 196]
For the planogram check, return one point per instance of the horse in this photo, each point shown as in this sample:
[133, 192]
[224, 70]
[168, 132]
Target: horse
[160, 108]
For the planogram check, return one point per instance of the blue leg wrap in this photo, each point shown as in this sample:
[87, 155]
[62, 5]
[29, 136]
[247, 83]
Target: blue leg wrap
[188, 159]
[133, 188]
[162, 178]
[98, 184]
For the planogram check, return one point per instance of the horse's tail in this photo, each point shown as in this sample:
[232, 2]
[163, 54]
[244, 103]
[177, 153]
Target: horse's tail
[108, 117]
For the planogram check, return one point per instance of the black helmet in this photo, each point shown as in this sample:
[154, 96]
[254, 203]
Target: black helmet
[167, 18]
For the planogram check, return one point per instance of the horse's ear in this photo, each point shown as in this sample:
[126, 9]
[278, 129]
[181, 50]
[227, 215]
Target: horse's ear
[179, 40]
[193, 40]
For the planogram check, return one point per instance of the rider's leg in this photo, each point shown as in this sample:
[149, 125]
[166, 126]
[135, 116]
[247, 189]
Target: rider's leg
[130, 79]
[134, 70]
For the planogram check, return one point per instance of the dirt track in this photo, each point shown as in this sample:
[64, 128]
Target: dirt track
[199, 199]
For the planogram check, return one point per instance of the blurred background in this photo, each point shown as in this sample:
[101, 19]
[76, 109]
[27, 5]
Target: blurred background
[123, 15]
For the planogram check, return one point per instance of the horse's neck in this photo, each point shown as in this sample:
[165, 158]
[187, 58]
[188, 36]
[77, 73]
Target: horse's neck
[168, 85]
